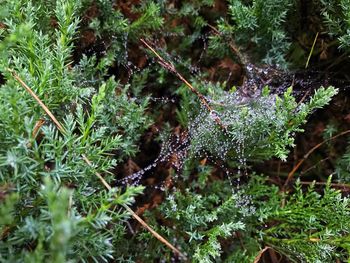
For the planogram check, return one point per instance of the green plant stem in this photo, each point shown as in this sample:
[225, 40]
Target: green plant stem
[311, 51]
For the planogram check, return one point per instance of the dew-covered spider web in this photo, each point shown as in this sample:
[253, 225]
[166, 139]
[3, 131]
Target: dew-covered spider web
[178, 145]
[246, 113]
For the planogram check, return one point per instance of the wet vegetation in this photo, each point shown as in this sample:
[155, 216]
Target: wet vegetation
[174, 131]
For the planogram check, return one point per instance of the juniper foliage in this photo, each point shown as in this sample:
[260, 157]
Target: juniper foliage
[261, 23]
[336, 16]
[52, 205]
[257, 128]
[311, 227]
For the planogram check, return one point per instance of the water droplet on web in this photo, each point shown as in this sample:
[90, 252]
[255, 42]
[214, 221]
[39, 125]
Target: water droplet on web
[205, 137]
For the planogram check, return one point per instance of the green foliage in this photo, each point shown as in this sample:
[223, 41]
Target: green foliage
[42, 58]
[149, 20]
[263, 23]
[336, 16]
[343, 166]
[257, 128]
[214, 224]
[41, 222]
[54, 208]
[201, 216]
[7, 208]
[311, 227]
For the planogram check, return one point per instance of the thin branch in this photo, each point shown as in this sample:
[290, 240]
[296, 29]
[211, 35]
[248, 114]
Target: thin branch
[344, 186]
[169, 66]
[261, 252]
[295, 168]
[314, 166]
[37, 127]
[42, 105]
[60, 127]
[243, 59]
[311, 51]
[134, 215]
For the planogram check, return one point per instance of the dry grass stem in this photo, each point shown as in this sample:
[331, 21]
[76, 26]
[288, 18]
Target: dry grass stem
[169, 66]
[60, 127]
[301, 161]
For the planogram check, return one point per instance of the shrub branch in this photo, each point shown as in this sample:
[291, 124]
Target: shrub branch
[62, 130]
[169, 66]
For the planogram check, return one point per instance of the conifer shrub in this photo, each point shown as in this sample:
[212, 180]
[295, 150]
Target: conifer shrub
[258, 128]
[336, 18]
[54, 208]
[262, 23]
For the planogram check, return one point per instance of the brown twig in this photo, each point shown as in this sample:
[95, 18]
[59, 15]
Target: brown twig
[134, 215]
[273, 256]
[347, 186]
[242, 58]
[37, 127]
[303, 98]
[233, 46]
[313, 166]
[261, 252]
[295, 168]
[60, 127]
[42, 105]
[169, 66]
